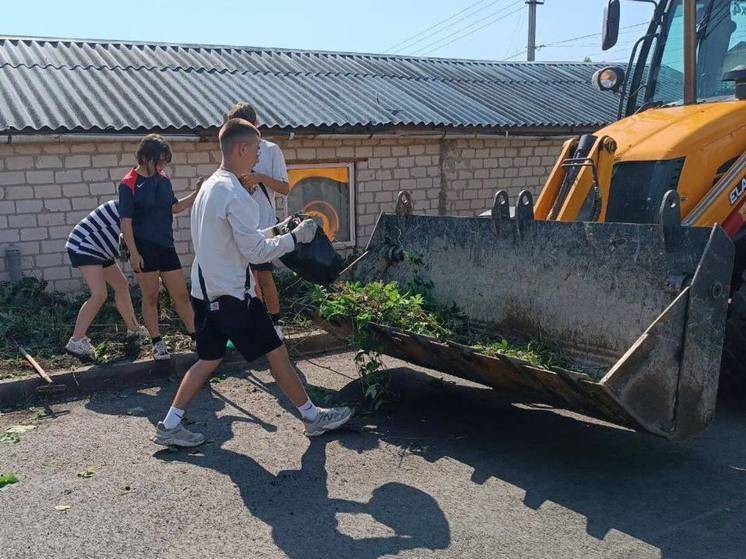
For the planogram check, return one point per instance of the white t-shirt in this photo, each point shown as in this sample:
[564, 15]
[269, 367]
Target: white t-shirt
[227, 237]
[271, 163]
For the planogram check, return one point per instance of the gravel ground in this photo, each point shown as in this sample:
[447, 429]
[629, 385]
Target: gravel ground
[449, 470]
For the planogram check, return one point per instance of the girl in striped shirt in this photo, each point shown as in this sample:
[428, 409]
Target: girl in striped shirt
[93, 246]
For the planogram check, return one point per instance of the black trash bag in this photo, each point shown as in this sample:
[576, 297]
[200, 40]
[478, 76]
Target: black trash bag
[316, 261]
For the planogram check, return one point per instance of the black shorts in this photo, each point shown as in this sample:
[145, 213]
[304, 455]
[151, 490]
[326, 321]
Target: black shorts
[157, 258]
[78, 260]
[245, 323]
[264, 267]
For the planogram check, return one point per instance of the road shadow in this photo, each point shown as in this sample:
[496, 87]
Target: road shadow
[688, 498]
[294, 503]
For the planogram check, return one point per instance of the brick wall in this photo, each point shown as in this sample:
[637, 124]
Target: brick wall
[46, 188]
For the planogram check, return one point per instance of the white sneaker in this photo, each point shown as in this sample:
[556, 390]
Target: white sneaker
[82, 348]
[193, 345]
[328, 420]
[280, 333]
[160, 351]
[178, 436]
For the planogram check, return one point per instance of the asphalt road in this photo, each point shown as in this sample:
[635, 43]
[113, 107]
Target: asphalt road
[449, 470]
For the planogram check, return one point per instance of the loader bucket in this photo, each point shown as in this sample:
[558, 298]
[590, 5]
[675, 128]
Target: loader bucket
[646, 304]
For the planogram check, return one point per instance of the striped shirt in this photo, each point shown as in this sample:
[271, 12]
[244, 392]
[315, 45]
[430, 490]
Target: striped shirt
[97, 235]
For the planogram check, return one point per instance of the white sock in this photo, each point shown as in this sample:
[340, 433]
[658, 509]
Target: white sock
[173, 417]
[309, 411]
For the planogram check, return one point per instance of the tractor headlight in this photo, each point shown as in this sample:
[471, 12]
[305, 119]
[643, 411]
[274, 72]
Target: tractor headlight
[610, 78]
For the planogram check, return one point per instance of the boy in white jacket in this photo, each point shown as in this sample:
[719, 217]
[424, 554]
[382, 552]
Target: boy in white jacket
[226, 238]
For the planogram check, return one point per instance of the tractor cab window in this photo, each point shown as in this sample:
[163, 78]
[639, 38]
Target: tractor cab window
[721, 46]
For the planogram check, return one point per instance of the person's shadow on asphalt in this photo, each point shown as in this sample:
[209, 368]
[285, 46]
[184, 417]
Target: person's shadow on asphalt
[296, 503]
[302, 516]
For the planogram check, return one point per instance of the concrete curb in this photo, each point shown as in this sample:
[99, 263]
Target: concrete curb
[86, 380]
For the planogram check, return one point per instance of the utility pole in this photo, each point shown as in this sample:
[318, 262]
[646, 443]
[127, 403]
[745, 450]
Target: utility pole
[531, 47]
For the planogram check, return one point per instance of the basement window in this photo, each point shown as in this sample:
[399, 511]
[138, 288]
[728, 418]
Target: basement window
[325, 192]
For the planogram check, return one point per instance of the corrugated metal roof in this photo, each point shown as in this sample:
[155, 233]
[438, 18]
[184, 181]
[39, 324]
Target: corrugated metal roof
[65, 85]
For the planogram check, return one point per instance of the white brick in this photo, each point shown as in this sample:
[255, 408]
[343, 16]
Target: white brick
[48, 162]
[8, 236]
[305, 154]
[72, 218]
[29, 206]
[109, 147]
[73, 190]
[59, 232]
[206, 170]
[28, 249]
[198, 157]
[83, 148]
[48, 191]
[48, 260]
[56, 148]
[95, 175]
[77, 161]
[185, 171]
[57, 204]
[34, 234]
[39, 177]
[84, 203]
[117, 173]
[3, 224]
[7, 207]
[28, 149]
[47, 219]
[103, 188]
[56, 245]
[19, 193]
[12, 178]
[19, 162]
[104, 160]
[70, 175]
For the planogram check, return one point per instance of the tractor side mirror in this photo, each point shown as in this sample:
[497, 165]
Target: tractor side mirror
[610, 32]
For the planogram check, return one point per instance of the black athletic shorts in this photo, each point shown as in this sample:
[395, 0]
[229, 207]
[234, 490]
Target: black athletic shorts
[157, 258]
[78, 260]
[264, 267]
[245, 323]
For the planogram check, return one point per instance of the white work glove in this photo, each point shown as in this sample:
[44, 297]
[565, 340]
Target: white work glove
[305, 232]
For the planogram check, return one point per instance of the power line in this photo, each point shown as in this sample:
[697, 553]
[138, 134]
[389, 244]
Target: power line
[470, 26]
[562, 42]
[517, 53]
[519, 21]
[441, 23]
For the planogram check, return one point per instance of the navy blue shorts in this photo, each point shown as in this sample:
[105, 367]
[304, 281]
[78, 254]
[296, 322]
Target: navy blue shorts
[78, 260]
[157, 258]
[245, 323]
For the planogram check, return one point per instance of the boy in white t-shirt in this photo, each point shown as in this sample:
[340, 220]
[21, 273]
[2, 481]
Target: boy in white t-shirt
[268, 178]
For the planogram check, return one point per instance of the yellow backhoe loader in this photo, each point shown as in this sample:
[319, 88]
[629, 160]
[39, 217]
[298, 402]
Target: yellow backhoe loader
[631, 258]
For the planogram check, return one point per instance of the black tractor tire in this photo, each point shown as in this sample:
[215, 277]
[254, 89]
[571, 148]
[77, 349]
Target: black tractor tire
[733, 365]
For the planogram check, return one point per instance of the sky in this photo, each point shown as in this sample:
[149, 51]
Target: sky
[484, 29]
